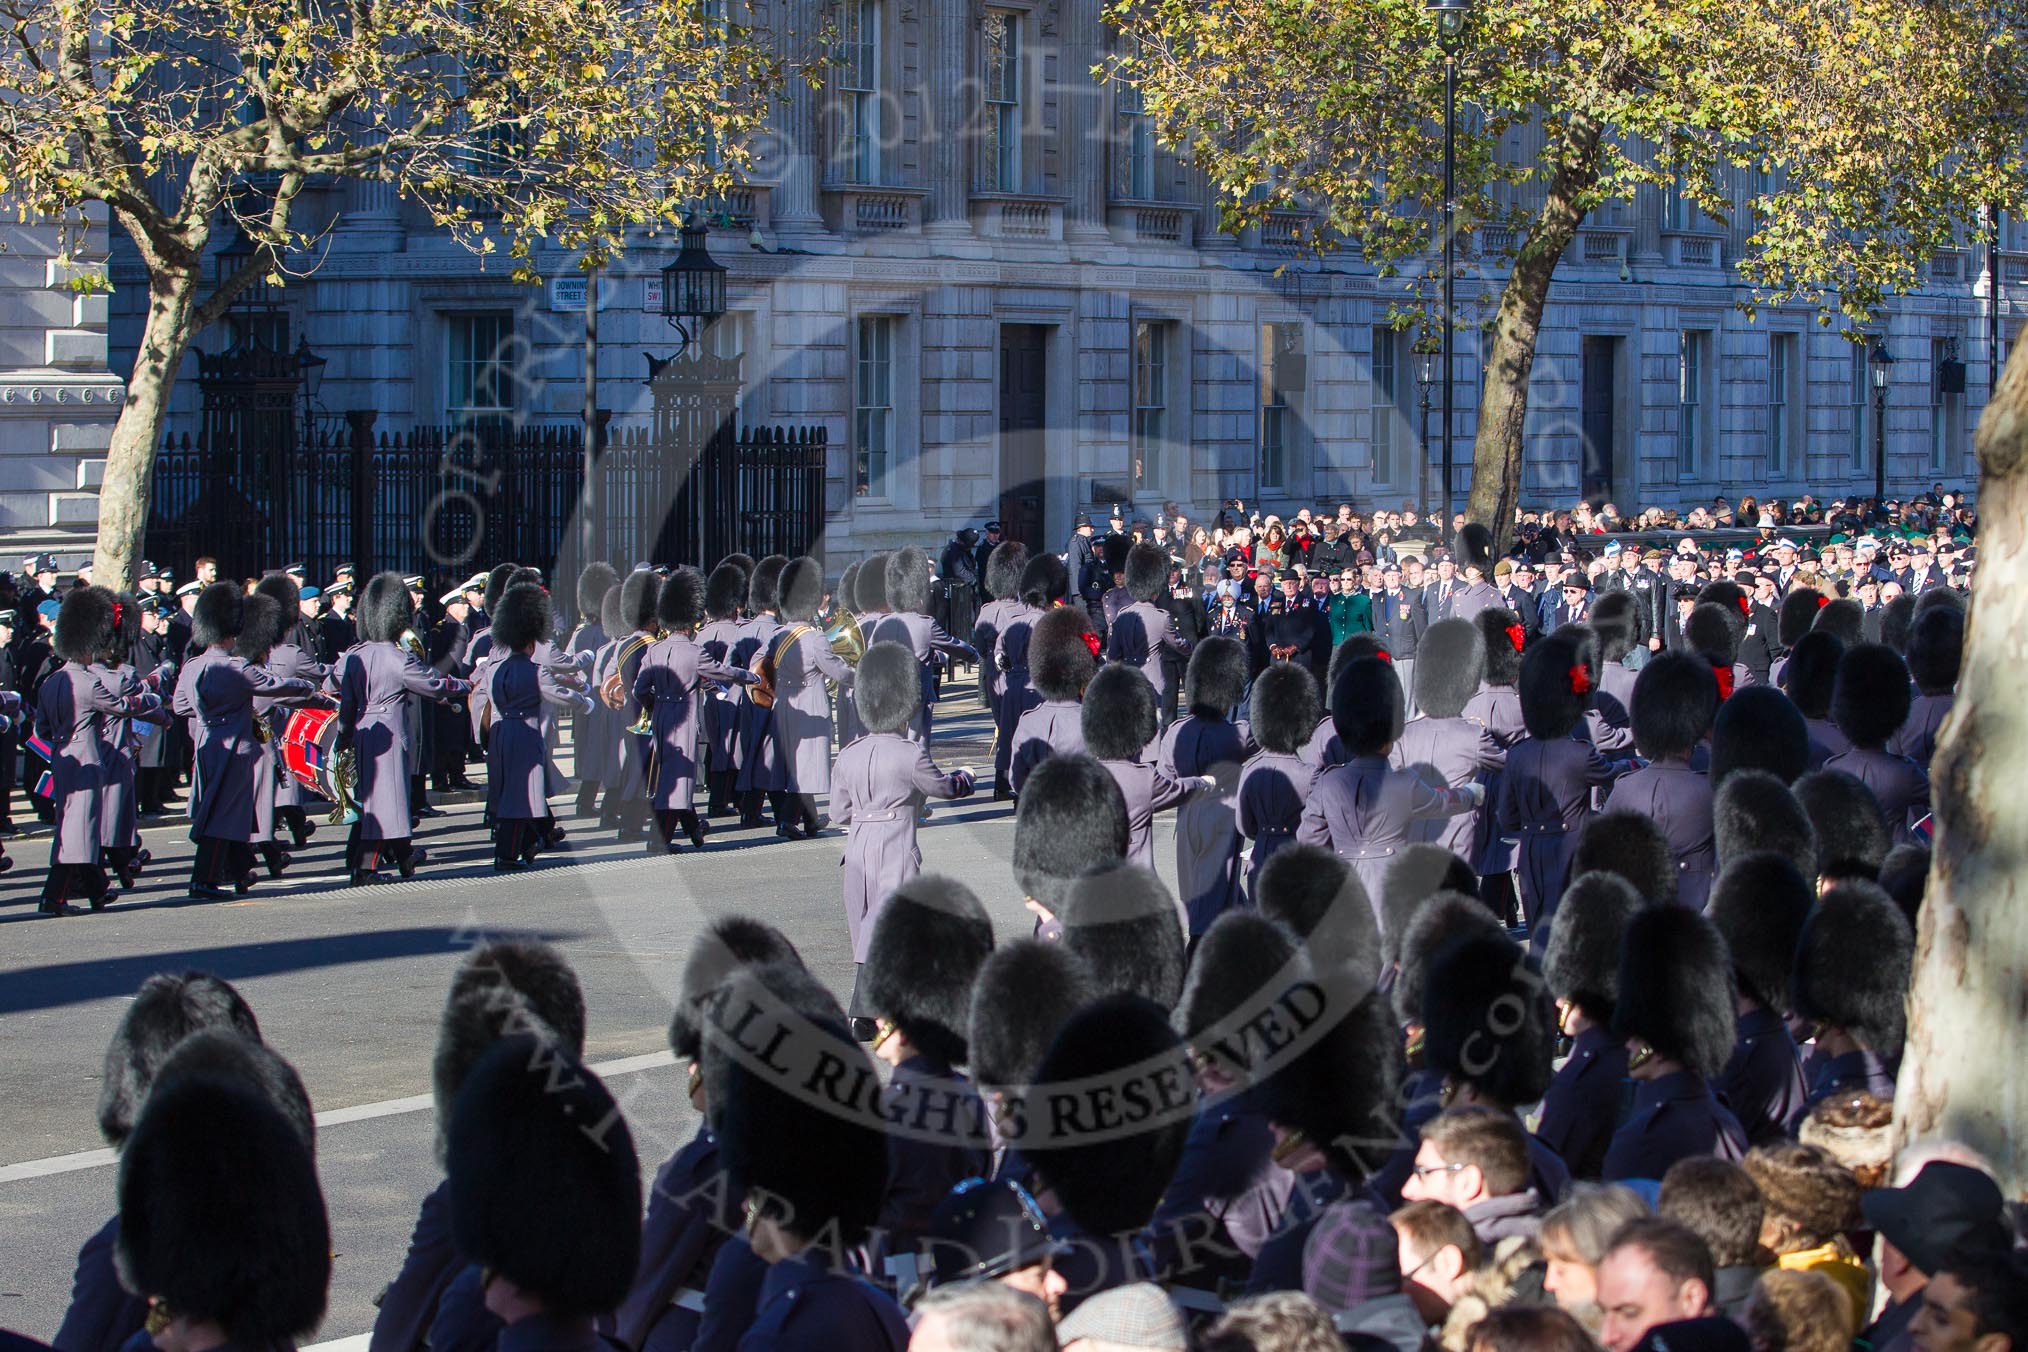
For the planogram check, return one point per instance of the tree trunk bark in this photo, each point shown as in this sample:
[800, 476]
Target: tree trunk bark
[1964, 1074]
[130, 460]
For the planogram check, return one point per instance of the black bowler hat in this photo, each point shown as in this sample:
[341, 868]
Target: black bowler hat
[1944, 1210]
[987, 1229]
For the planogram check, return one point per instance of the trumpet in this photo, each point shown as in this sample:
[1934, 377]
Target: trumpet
[845, 638]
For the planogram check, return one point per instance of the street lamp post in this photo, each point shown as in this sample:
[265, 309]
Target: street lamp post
[1879, 364]
[1450, 16]
[310, 366]
[1425, 380]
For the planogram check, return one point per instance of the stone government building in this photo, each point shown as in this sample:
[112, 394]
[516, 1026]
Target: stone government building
[969, 261]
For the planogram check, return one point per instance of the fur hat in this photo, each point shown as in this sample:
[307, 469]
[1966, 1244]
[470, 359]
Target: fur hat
[1475, 548]
[1071, 819]
[1728, 595]
[1314, 894]
[501, 990]
[1023, 996]
[1114, 550]
[887, 687]
[166, 1009]
[730, 943]
[1044, 581]
[1715, 632]
[680, 605]
[1125, 926]
[592, 582]
[522, 617]
[612, 618]
[538, 1150]
[1854, 962]
[1852, 835]
[724, 590]
[640, 590]
[1812, 673]
[1350, 651]
[1675, 984]
[1111, 1180]
[1844, 619]
[1004, 567]
[1498, 625]
[1904, 876]
[869, 585]
[499, 579]
[1581, 963]
[84, 625]
[1940, 598]
[261, 625]
[215, 618]
[1119, 712]
[1870, 699]
[741, 561]
[1285, 708]
[1558, 675]
[385, 610]
[848, 583]
[1758, 905]
[1759, 728]
[1417, 873]
[1341, 1092]
[1061, 661]
[1450, 663]
[228, 1054]
[221, 1216]
[1612, 619]
[908, 581]
[285, 591]
[801, 590]
[1487, 1020]
[1147, 572]
[1895, 618]
[1366, 706]
[1754, 811]
[927, 945]
[1240, 959]
[763, 585]
[1798, 614]
[1444, 919]
[1675, 700]
[1936, 650]
[1215, 682]
[1630, 845]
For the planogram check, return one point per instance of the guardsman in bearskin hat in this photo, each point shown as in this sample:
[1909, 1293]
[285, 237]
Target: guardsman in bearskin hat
[1675, 699]
[1039, 590]
[720, 639]
[1609, 721]
[1843, 619]
[1275, 782]
[1676, 1013]
[604, 724]
[1581, 967]
[1753, 812]
[1207, 742]
[1631, 846]
[1418, 873]
[1851, 834]
[1078, 827]
[1497, 708]
[1798, 613]
[620, 665]
[1325, 750]
[1004, 567]
[1125, 926]
[1936, 650]
[845, 718]
[1759, 728]
[1854, 962]
[517, 785]
[291, 657]
[1023, 995]
[1870, 702]
[929, 941]
[756, 720]
[908, 623]
[1440, 742]
[1366, 809]
[261, 627]
[587, 741]
[1809, 680]
[373, 681]
[1701, 635]
[1758, 906]
[1476, 594]
[1062, 653]
[798, 766]
[1546, 787]
[481, 651]
[1119, 727]
[672, 686]
[1140, 633]
[119, 815]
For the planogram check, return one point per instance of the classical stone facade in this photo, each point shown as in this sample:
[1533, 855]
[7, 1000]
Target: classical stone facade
[966, 258]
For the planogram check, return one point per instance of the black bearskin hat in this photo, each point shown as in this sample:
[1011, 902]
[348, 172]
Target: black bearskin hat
[1215, 682]
[1870, 699]
[1799, 613]
[1936, 649]
[927, 946]
[848, 583]
[1630, 845]
[1939, 598]
[1285, 708]
[539, 1150]
[1475, 549]
[1004, 567]
[887, 688]
[724, 591]
[742, 561]
[1612, 619]
[1558, 676]
[385, 610]
[1758, 905]
[1904, 877]
[1340, 1093]
[908, 581]
[522, 617]
[1240, 959]
[1581, 963]
[802, 591]
[1498, 626]
[1450, 663]
[1487, 1020]
[869, 585]
[731, 943]
[1676, 990]
[1127, 929]
[84, 625]
[1754, 811]
[612, 617]
[127, 627]
[1366, 706]
[1119, 713]
[1061, 662]
[1108, 1179]
[639, 592]
[1444, 919]
[680, 606]
[1147, 572]
[763, 585]
[1715, 632]
[1024, 994]
[1844, 619]
[1114, 549]
[1812, 673]
[501, 990]
[165, 1011]
[225, 1053]
[1729, 596]
[499, 579]
[1044, 581]
[1852, 834]
[215, 618]
[1759, 728]
[1350, 651]
[1314, 894]
[221, 1216]
[286, 593]
[1070, 820]
[1419, 872]
[1854, 962]
[261, 625]
[1895, 618]
[592, 582]
[1675, 701]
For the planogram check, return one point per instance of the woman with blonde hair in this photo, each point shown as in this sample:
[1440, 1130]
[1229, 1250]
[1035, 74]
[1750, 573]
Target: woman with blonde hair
[1574, 1237]
[1799, 1312]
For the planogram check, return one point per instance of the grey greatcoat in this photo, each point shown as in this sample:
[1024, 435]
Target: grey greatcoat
[374, 682]
[1013, 695]
[1898, 782]
[925, 638]
[1454, 752]
[671, 684]
[628, 771]
[216, 693]
[1366, 811]
[1148, 790]
[119, 812]
[756, 724]
[1207, 843]
[719, 642]
[519, 693]
[994, 617]
[1138, 635]
[1678, 799]
[588, 740]
[1610, 720]
[1825, 742]
[1917, 738]
[72, 711]
[800, 732]
[1273, 788]
[289, 662]
[1497, 709]
[1323, 751]
[876, 788]
[1054, 726]
[1545, 799]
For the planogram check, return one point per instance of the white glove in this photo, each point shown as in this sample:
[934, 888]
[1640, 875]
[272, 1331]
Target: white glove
[1476, 793]
[586, 704]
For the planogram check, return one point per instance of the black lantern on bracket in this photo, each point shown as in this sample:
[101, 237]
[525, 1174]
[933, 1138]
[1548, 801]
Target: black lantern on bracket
[693, 287]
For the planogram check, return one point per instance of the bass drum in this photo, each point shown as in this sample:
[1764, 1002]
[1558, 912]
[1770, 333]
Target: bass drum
[310, 755]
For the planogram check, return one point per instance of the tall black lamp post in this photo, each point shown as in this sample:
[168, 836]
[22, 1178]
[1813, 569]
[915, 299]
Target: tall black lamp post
[1879, 364]
[310, 366]
[1425, 381]
[693, 288]
[1450, 16]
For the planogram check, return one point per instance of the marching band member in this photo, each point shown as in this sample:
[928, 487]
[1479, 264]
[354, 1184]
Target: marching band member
[755, 718]
[799, 767]
[517, 761]
[670, 685]
[119, 815]
[720, 640]
[618, 668]
[291, 656]
[908, 623]
[590, 635]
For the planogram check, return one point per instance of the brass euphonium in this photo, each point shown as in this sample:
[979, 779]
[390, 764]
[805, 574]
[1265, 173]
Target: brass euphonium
[412, 641]
[845, 638]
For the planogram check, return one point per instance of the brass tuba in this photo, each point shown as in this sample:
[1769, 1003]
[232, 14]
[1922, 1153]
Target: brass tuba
[845, 638]
[613, 690]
